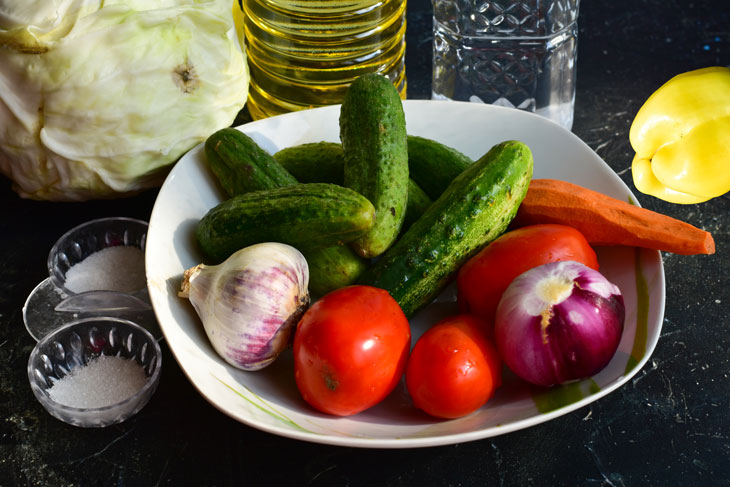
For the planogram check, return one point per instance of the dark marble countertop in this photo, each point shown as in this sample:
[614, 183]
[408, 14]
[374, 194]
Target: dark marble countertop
[669, 425]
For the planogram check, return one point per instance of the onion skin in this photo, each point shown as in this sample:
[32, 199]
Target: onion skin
[559, 322]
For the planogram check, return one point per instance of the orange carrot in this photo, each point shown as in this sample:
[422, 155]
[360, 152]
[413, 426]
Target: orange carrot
[607, 221]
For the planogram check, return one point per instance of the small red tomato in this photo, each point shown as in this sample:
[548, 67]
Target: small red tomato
[482, 280]
[350, 350]
[453, 369]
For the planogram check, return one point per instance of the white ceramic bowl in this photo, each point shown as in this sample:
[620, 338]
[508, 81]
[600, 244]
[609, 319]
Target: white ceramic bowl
[269, 400]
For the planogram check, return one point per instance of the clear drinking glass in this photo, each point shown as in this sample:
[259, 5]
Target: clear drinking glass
[520, 54]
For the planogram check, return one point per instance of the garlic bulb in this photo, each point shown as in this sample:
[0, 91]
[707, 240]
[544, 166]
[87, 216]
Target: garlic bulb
[249, 303]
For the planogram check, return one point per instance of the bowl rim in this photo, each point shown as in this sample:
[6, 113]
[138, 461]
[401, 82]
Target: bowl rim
[46, 399]
[159, 283]
[67, 233]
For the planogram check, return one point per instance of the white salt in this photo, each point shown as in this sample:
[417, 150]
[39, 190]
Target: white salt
[104, 381]
[119, 268]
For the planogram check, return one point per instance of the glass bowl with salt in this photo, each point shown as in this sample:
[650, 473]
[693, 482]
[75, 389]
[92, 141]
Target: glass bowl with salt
[95, 269]
[95, 372]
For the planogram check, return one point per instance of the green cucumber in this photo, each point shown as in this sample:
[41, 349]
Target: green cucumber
[431, 162]
[475, 209]
[374, 141]
[332, 268]
[305, 216]
[417, 203]
[323, 162]
[241, 166]
[314, 162]
[433, 165]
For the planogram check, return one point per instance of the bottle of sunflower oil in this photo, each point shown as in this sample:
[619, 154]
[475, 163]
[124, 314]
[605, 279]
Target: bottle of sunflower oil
[305, 53]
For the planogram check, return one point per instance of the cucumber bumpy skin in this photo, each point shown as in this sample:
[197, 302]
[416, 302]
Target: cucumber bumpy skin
[305, 216]
[474, 210]
[374, 140]
[314, 162]
[416, 205]
[332, 268]
[433, 165]
[241, 166]
[324, 162]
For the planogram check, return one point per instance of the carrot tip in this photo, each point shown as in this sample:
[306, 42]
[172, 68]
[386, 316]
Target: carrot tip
[709, 244]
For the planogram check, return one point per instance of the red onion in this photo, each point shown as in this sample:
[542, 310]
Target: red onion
[559, 322]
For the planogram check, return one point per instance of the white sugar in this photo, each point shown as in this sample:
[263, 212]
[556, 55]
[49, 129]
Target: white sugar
[119, 268]
[104, 381]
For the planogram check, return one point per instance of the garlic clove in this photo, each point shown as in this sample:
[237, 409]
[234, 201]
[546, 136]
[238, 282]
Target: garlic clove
[250, 303]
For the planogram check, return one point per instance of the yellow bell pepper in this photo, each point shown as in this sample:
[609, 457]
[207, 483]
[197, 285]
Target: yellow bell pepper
[681, 136]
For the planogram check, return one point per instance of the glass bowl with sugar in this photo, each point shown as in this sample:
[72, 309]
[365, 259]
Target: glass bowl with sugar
[95, 269]
[95, 372]
[100, 255]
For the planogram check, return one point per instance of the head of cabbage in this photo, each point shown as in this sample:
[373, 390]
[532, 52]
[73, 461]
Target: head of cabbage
[99, 99]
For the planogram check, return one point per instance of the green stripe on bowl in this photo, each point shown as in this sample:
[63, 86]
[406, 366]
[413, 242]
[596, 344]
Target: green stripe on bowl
[263, 406]
[556, 397]
[642, 315]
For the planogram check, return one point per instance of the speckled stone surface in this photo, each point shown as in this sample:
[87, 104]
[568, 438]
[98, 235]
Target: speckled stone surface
[669, 426]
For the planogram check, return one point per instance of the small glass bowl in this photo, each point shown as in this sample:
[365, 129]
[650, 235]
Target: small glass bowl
[90, 237]
[78, 342]
[51, 304]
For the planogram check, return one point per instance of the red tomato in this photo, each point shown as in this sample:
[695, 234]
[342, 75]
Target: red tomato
[350, 350]
[453, 369]
[481, 281]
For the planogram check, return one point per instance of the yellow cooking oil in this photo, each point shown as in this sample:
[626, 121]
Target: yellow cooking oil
[305, 53]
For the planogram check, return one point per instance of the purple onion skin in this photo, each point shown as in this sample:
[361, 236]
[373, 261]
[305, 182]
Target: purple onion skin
[571, 335]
